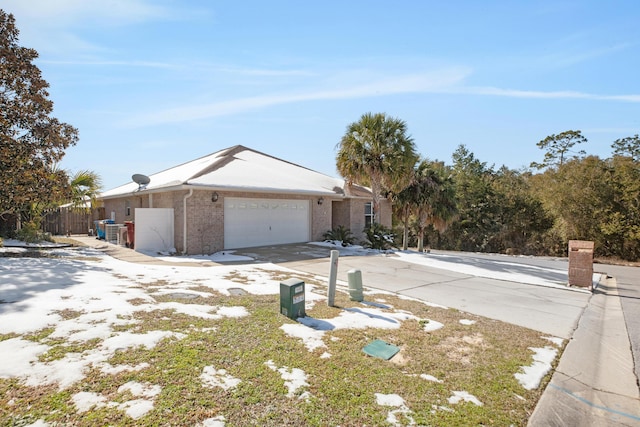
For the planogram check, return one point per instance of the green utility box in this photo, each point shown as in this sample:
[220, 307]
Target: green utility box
[292, 298]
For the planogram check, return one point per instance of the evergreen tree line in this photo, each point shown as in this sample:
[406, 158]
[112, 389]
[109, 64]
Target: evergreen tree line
[570, 197]
[470, 206]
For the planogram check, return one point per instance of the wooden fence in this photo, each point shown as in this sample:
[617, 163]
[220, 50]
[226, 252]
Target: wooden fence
[66, 221]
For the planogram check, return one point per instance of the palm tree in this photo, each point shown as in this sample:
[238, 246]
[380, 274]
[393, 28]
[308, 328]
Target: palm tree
[431, 198]
[85, 186]
[377, 152]
[403, 203]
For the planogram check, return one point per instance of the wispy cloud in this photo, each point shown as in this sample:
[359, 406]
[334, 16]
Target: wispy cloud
[72, 13]
[411, 83]
[265, 72]
[515, 93]
[570, 58]
[449, 81]
[52, 27]
[108, 63]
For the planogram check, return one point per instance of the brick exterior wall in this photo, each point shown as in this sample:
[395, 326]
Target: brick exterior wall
[350, 214]
[205, 219]
[320, 218]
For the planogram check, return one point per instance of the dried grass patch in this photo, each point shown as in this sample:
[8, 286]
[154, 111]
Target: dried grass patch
[480, 358]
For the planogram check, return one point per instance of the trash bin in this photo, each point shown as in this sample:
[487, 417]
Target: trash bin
[130, 233]
[581, 263]
[292, 298]
[101, 230]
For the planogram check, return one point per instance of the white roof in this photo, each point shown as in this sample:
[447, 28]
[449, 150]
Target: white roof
[241, 168]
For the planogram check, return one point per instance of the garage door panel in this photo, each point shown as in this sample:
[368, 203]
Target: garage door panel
[258, 222]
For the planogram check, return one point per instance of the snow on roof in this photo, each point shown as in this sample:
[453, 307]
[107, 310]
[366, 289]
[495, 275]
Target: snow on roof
[241, 168]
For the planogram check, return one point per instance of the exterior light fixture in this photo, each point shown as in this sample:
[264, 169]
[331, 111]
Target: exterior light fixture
[320, 200]
[214, 197]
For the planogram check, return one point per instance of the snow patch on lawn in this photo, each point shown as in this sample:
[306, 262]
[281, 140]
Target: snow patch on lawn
[218, 378]
[431, 325]
[531, 376]
[109, 369]
[459, 396]
[218, 421]
[294, 379]
[39, 423]
[84, 296]
[311, 330]
[397, 402]
[430, 378]
[136, 408]
[555, 340]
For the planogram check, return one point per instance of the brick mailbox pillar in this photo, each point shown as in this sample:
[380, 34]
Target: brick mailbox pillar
[581, 263]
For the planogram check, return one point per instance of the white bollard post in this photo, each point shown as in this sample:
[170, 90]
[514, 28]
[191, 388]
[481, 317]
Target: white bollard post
[333, 276]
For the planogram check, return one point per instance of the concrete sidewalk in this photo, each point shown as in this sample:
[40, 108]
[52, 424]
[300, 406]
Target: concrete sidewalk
[130, 255]
[594, 383]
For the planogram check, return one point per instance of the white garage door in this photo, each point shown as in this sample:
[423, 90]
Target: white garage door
[259, 222]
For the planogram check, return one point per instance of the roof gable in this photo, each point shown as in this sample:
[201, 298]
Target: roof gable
[241, 168]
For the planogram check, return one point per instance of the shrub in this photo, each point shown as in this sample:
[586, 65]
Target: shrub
[341, 234]
[31, 233]
[379, 237]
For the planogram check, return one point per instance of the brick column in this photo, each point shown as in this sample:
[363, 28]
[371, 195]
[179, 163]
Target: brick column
[581, 263]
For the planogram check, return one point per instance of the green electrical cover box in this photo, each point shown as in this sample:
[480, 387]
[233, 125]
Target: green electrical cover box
[292, 298]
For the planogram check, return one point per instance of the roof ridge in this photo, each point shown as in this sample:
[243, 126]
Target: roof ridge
[223, 160]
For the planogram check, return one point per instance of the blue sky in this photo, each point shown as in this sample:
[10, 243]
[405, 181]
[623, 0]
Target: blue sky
[154, 83]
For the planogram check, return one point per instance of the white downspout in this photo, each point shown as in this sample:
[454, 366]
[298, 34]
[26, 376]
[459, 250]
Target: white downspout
[184, 225]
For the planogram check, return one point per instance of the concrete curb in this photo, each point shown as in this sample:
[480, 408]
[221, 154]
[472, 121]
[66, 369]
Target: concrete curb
[594, 383]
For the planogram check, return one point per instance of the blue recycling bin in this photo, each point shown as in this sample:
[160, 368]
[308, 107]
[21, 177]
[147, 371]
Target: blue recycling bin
[100, 228]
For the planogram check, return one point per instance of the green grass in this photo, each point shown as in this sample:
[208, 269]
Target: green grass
[481, 359]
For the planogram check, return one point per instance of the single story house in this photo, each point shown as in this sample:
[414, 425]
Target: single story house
[238, 198]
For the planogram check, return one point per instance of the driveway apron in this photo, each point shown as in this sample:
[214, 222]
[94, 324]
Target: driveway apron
[548, 310]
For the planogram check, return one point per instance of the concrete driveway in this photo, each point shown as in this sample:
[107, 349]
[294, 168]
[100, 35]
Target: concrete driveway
[548, 310]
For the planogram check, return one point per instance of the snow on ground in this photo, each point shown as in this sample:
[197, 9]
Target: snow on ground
[494, 269]
[397, 402]
[531, 376]
[222, 256]
[463, 396]
[294, 379]
[218, 421]
[135, 408]
[81, 294]
[13, 243]
[432, 325]
[430, 378]
[212, 377]
[311, 330]
[555, 340]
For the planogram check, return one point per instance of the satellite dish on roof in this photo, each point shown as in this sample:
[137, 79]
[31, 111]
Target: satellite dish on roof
[141, 180]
